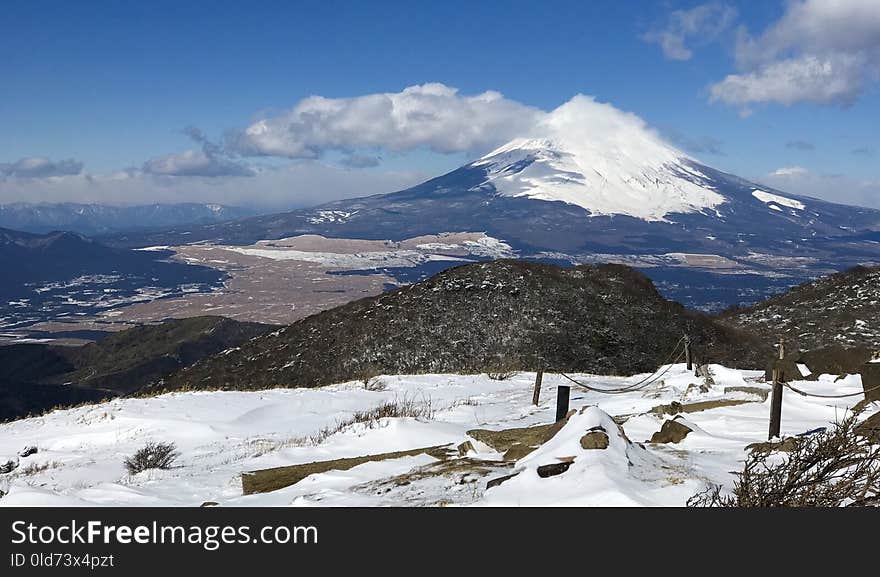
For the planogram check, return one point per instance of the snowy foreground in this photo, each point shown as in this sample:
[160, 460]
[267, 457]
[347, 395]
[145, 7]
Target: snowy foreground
[220, 434]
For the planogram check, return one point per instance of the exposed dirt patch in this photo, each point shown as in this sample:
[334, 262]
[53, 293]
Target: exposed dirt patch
[266, 480]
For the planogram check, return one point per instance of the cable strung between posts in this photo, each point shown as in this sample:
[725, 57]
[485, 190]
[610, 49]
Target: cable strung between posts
[806, 394]
[650, 379]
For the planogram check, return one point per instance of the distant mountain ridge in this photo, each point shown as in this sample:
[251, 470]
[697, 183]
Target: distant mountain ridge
[55, 275]
[97, 219]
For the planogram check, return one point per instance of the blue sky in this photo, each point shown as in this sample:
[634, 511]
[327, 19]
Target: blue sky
[98, 92]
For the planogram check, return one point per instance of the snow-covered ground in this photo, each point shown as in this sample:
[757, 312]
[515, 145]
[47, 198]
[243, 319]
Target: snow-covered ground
[220, 434]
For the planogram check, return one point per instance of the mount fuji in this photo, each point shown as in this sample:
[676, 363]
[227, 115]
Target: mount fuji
[591, 183]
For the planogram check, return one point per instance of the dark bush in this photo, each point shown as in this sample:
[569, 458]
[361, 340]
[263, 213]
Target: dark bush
[152, 456]
[832, 468]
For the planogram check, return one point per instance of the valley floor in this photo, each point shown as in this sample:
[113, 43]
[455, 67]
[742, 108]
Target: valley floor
[221, 434]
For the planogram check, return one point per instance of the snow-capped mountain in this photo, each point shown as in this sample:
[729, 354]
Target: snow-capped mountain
[589, 184]
[601, 159]
[603, 184]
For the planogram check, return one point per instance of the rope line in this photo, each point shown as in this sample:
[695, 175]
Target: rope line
[806, 394]
[650, 379]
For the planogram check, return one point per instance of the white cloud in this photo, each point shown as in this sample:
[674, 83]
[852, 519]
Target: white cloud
[195, 163]
[432, 116]
[836, 78]
[40, 167]
[818, 51]
[789, 171]
[832, 187]
[699, 25]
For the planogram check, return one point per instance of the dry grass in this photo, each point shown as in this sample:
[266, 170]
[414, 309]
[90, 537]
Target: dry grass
[370, 418]
[34, 468]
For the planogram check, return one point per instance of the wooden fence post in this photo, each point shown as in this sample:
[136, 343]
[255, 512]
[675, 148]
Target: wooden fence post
[536, 396]
[776, 399]
[562, 395]
[687, 353]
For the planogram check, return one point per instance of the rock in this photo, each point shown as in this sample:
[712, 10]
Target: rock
[498, 480]
[832, 360]
[209, 504]
[465, 448]
[517, 452]
[704, 372]
[8, 466]
[871, 381]
[870, 428]
[28, 451]
[757, 391]
[595, 439]
[672, 431]
[553, 469]
[786, 445]
[503, 440]
[672, 408]
[557, 426]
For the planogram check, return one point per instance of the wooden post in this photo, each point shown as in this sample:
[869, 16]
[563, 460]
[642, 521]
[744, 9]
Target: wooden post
[562, 395]
[776, 399]
[687, 353]
[536, 396]
[775, 409]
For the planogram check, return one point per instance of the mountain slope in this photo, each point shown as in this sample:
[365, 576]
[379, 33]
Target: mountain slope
[841, 309]
[498, 315]
[36, 377]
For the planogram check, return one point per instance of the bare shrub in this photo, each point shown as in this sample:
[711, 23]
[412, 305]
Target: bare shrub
[34, 468]
[152, 456]
[500, 375]
[832, 468]
[405, 407]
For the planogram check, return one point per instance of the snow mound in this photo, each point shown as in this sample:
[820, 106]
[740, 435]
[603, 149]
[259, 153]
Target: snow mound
[600, 158]
[613, 476]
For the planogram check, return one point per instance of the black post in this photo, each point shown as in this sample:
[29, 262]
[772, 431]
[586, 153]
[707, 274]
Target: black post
[562, 395]
[776, 405]
[687, 353]
[536, 396]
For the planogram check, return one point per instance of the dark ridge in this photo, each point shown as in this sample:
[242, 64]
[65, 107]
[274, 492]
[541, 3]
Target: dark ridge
[36, 377]
[840, 309]
[506, 314]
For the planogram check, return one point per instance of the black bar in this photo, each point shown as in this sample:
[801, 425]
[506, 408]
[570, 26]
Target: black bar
[776, 409]
[536, 396]
[562, 395]
[687, 354]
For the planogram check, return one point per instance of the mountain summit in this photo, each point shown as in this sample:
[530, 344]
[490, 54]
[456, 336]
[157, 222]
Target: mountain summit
[590, 183]
[603, 160]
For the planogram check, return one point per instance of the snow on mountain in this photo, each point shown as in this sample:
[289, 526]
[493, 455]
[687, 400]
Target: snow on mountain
[80, 451]
[602, 159]
[771, 199]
